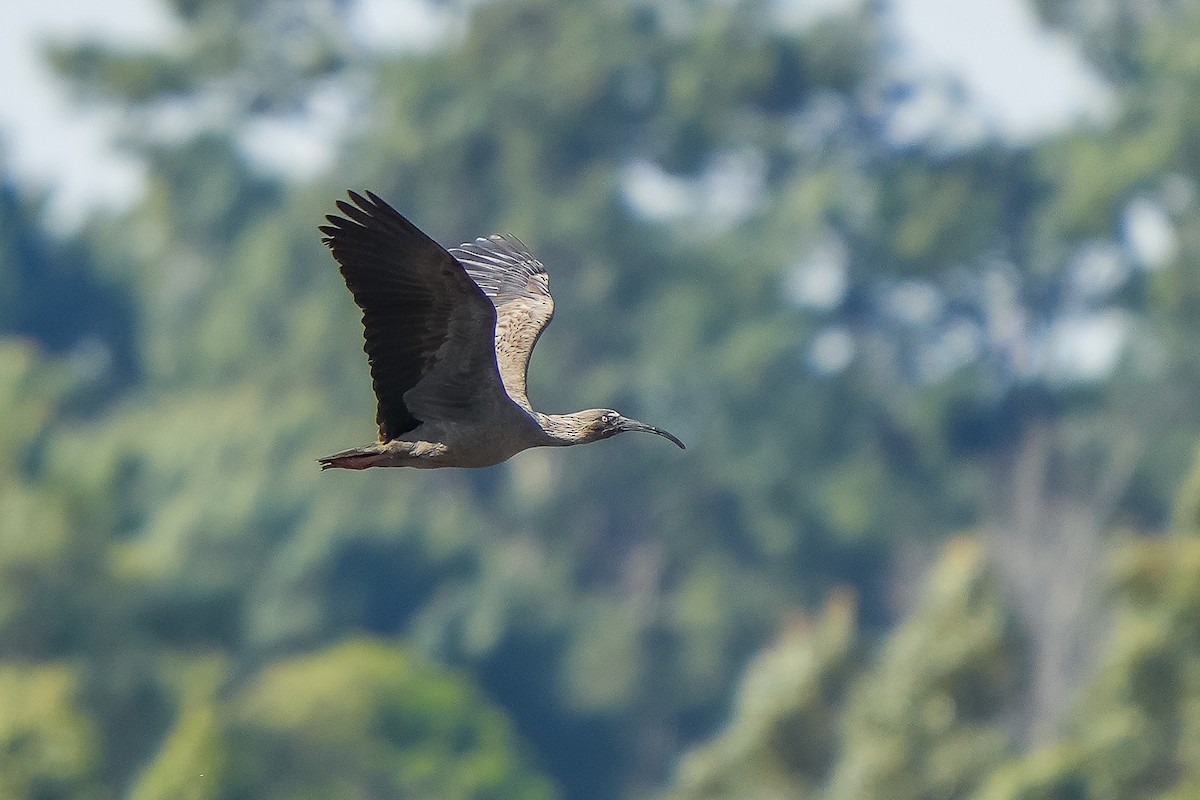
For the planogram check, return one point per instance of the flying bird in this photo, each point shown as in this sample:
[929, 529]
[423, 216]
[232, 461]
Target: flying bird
[448, 337]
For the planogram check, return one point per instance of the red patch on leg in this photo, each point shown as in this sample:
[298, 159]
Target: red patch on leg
[354, 461]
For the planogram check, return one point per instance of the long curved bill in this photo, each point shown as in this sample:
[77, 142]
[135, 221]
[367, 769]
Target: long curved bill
[634, 425]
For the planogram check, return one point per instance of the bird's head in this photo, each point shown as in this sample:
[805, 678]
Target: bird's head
[602, 423]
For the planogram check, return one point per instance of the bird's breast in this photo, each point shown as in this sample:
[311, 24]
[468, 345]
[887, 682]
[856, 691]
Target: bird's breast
[464, 444]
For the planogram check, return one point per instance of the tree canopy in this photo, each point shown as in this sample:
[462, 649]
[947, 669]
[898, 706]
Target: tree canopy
[929, 539]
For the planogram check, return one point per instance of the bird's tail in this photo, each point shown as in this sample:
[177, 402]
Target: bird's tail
[357, 458]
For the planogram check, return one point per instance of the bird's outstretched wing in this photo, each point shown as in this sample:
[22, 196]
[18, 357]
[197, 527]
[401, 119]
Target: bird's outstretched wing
[518, 285]
[428, 327]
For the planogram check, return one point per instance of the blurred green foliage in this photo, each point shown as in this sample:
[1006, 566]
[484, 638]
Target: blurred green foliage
[48, 743]
[190, 609]
[928, 717]
[364, 718]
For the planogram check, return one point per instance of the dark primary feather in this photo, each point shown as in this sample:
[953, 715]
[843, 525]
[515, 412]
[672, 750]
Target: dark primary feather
[428, 327]
[518, 285]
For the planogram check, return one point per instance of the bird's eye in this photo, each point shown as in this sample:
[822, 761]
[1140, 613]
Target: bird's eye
[607, 419]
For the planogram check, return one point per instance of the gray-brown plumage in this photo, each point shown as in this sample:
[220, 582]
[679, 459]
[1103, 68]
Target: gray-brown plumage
[448, 337]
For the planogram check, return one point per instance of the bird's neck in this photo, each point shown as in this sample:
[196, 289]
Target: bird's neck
[560, 430]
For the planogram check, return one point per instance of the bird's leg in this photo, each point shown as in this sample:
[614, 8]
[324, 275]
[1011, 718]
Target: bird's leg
[396, 453]
[371, 455]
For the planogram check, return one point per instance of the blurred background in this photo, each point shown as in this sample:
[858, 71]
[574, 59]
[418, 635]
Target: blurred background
[914, 279]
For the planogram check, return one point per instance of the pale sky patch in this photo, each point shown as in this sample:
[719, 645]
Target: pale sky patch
[302, 146]
[1025, 81]
[48, 142]
[803, 13]
[821, 278]
[1086, 347]
[832, 350]
[397, 25]
[1149, 233]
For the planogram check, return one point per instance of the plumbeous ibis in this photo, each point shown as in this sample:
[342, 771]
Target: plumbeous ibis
[448, 337]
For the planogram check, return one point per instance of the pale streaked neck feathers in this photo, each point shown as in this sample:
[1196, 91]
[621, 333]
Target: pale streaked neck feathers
[567, 429]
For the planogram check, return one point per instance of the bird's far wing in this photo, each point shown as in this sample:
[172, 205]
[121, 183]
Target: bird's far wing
[518, 285]
[428, 327]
